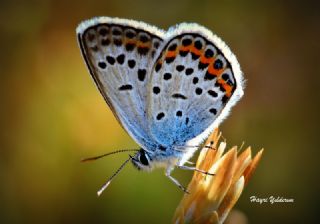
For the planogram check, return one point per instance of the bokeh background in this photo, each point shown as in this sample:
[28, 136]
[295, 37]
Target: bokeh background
[52, 115]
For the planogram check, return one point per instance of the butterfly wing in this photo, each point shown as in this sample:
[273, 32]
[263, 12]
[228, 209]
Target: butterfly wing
[118, 53]
[194, 83]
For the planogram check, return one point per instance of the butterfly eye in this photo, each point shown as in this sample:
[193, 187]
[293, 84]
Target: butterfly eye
[143, 159]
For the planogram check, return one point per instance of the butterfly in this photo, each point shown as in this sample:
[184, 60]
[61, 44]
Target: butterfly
[168, 89]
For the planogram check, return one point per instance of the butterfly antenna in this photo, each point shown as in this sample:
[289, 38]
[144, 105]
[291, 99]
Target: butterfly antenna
[107, 154]
[113, 176]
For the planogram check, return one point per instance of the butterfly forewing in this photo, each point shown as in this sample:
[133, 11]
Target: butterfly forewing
[119, 53]
[192, 85]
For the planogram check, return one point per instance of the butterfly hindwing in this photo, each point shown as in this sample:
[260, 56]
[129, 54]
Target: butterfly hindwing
[118, 53]
[193, 85]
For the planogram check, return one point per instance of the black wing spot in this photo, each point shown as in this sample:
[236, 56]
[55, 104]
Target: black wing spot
[167, 76]
[144, 38]
[117, 42]
[208, 53]
[186, 42]
[212, 93]
[179, 113]
[225, 99]
[222, 89]
[195, 80]
[169, 60]
[198, 91]
[130, 34]
[156, 90]
[91, 37]
[225, 77]
[105, 42]
[230, 83]
[213, 111]
[120, 59]
[172, 47]
[143, 50]
[130, 46]
[131, 63]
[218, 64]
[110, 60]
[189, 71]
[202, 66]
[125, 87]
[116, 31]
[158, 67]
[194, 56]
[179, 96]
[187, 120]
[102, 65]
[153, 53]
[156, 44]
[209, 76]
[180, 68]
[160, 116]
[103, 31]
[183, 53]
[162, 148]
[198, 44]
[142, 74]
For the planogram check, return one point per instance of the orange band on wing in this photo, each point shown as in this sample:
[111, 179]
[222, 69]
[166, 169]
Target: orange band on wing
[141, 44]
[187, 48]
[131, 42]
[171, 54]
[212, 70]
[205, 60]
[196, 51]
[225, 86]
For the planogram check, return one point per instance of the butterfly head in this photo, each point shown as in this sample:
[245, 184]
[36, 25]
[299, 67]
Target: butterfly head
[141, 160]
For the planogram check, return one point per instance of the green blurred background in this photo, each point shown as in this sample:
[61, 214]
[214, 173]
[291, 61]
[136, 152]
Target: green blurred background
[52, 115]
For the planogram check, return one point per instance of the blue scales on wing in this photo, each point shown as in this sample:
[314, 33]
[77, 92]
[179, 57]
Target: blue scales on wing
[193, 86]
[118, 53]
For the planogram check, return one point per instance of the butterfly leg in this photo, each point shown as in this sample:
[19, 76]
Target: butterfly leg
[194, 169]
[191, 163]
[175, 181]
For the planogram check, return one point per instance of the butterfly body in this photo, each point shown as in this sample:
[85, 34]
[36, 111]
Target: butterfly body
[169, 90]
